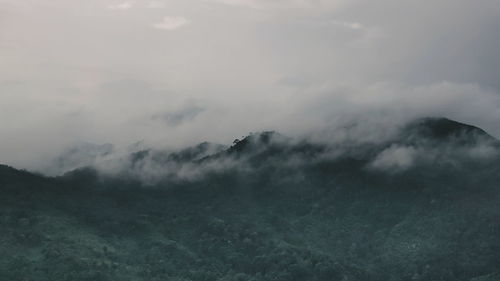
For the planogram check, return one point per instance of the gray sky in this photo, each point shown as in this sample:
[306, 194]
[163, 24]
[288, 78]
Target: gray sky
[173, 73]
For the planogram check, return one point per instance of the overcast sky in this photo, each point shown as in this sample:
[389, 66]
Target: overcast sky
[176, 72]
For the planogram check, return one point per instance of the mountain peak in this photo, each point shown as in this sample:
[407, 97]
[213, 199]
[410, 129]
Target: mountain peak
[444, 129]
[263, 138]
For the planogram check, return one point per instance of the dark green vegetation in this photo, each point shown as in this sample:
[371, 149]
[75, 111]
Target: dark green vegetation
[421, 206]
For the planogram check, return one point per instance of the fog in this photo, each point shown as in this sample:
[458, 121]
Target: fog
[170, 74]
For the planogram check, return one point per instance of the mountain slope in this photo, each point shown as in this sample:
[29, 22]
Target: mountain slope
[267, 208]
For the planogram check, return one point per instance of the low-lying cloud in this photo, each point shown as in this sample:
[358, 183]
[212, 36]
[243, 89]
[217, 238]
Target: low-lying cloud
[298, 67]
[395, 158]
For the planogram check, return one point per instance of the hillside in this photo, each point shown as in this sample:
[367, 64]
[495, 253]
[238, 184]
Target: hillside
[422, 205]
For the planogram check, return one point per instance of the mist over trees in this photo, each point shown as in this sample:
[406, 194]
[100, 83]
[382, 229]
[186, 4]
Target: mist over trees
[420, 205]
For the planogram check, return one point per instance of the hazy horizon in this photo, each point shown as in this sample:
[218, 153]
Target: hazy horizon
[175, 73]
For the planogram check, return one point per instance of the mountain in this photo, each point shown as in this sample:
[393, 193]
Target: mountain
[421, 205]
[444, 130]
[80, 155]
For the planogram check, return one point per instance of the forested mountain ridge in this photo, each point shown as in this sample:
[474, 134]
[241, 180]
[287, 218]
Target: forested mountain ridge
[421, 205]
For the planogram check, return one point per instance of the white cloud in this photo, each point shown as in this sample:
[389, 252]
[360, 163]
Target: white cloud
[395, 158]
[155, 5]
[171, 23]
[353, 25]
[289, 65]
[121, 6]
[246, 3]
[345, 24]
[282, 4]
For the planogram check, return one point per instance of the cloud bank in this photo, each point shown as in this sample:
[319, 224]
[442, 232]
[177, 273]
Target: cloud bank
[86, 73]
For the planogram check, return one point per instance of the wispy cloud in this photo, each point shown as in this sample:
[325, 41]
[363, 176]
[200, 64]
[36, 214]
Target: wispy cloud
[155, 5]
[395, 158]
[351, 25]
[185, 114]
[171, 23]
[338, 23]
[121, 6]
[246, 3]
[279, 4]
